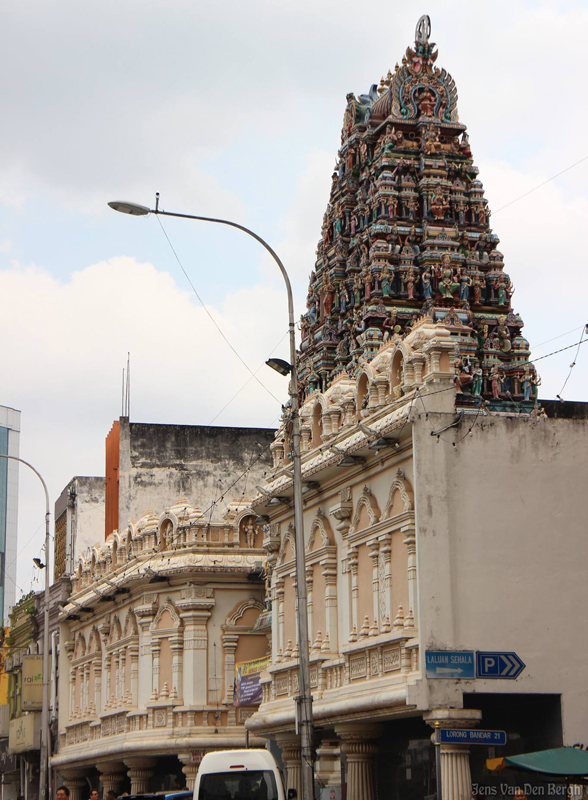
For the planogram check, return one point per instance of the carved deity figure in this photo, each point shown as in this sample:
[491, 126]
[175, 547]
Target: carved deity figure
[477, 379]
[367, 279]
[357, 287]
[250, 532]
[496, 379]
[343, 298]
[328, 296]
[427, 103]
[426, 284]
[385, 281]
[311, 303]
[464, 282]
[411, 279]
[477, 289]
[438, 206]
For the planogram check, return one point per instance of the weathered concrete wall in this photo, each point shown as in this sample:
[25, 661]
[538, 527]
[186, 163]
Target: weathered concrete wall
[89, 513]
[82, 501]
[502, 546]
[162, 463]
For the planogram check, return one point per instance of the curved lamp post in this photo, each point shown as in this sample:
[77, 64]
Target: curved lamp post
[44, 771]
[304, 699]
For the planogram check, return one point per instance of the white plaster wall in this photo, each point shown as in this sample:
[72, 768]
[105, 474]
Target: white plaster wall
[502, 549]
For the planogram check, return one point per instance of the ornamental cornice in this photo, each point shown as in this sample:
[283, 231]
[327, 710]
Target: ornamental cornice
[351, 440]
[205, 563]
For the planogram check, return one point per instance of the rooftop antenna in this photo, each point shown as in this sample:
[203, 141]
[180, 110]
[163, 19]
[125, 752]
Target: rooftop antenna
[126, 388]
[128, 414]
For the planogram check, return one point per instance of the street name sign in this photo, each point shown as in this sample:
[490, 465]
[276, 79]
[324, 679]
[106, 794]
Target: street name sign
[498, 664]
[452, 664]
[464, 736]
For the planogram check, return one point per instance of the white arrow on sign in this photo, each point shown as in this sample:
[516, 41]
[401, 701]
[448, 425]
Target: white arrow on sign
[449, 669]
[511, 665]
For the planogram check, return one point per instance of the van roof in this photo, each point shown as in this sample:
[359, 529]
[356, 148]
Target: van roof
[223, 760]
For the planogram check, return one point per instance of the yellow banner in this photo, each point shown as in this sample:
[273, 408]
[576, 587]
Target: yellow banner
[252, 667]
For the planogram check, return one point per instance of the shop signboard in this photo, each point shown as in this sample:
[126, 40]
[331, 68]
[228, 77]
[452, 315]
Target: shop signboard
[25, 733]
[32, 683]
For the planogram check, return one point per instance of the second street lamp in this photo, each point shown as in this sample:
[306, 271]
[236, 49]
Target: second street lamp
[304, 715]
[44, 755]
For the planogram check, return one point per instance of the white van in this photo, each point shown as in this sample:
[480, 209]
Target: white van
[240, 775]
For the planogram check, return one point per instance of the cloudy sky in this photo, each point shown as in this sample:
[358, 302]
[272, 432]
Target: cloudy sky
[235, 109]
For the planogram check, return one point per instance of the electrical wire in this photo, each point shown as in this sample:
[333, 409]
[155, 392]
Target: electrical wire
[572, 365]
[215, 323]
[553, 177]
[561, 350]
[247, 382]
[560, 336]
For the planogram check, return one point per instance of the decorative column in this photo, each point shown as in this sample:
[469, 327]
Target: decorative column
[97, 700]
[139, 772]
[385, 565]
[230, 642]
[352, 560]
[112, 775]
[374, 553]
[358, 743]
[190, 769]
[281, 644]
[177, 648]
[72, 692]
[330, 576]
[76, 783]
[310, 601]
[134, 654]
[155, 652]
[410, 542]
[456, 778]
[195, 606]
[289, 744]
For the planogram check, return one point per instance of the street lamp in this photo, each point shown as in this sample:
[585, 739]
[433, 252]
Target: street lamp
[304, 699]
[43, 778]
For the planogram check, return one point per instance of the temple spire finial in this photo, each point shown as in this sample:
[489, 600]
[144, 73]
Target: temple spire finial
[423, 30]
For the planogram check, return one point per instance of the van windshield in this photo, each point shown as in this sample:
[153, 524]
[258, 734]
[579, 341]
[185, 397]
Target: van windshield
[238, 785]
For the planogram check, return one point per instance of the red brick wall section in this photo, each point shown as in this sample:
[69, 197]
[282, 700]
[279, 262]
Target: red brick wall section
[111, 475]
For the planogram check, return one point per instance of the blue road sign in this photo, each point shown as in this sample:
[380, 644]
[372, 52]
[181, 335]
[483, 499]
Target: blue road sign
[453, 664]
[458, 736]
[491, 664]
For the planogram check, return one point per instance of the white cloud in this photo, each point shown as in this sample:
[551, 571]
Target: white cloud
[65, 370]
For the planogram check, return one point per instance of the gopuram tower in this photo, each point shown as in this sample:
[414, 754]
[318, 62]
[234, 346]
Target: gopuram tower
[432, 481]
[406, 234]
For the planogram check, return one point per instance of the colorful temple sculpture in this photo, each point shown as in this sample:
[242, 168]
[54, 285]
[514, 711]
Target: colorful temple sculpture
[407, 233]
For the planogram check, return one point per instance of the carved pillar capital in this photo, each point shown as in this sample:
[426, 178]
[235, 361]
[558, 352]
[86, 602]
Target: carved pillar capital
[358, 743]
[76, 782]
[140, 770]
[112, 774]
[291, 749]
